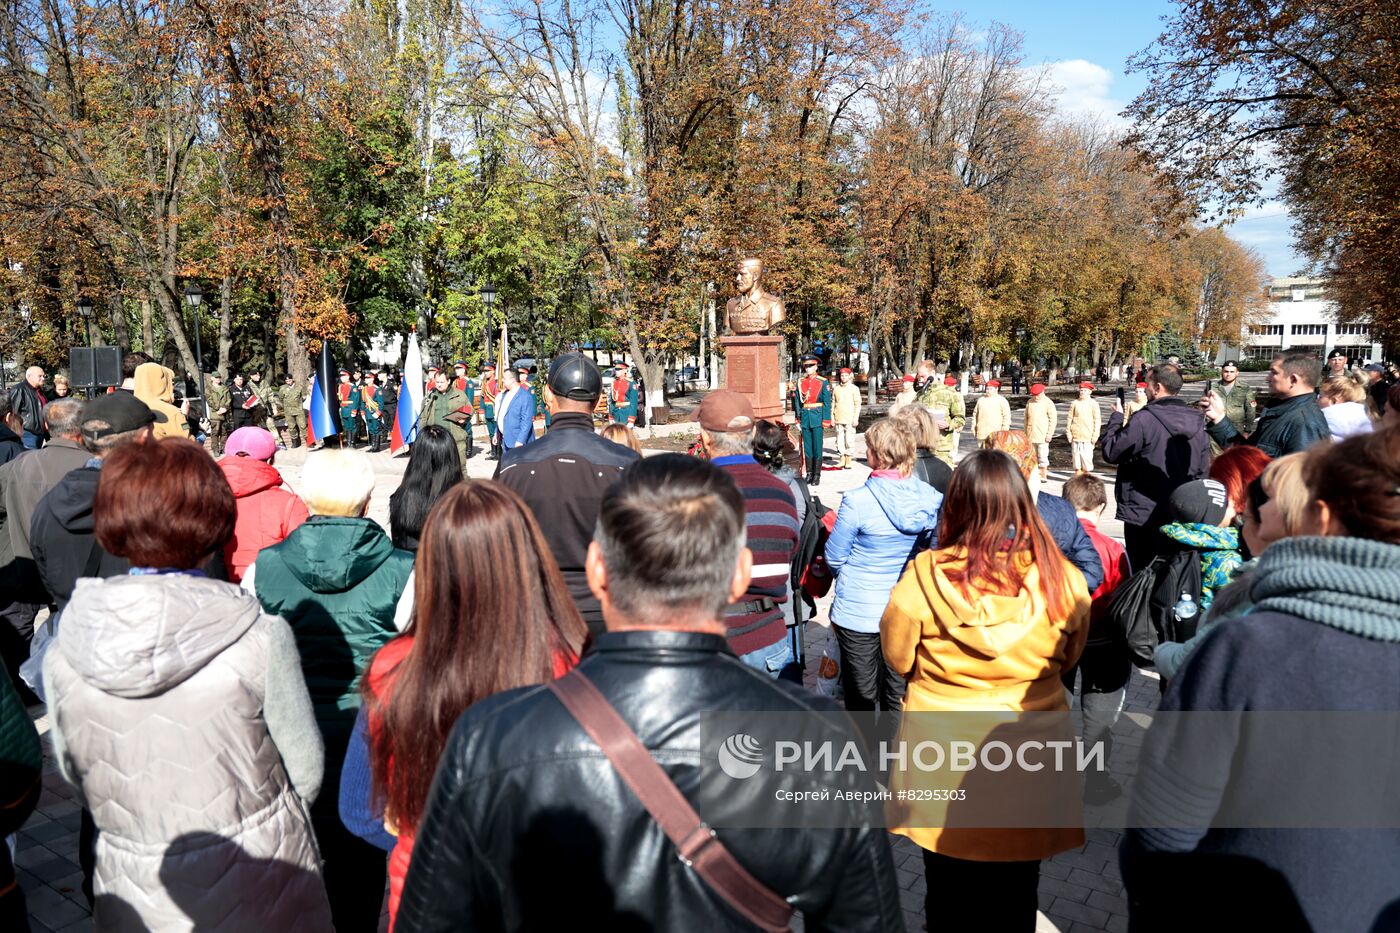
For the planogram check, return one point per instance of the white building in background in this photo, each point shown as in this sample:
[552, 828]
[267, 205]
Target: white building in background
[1301, 317]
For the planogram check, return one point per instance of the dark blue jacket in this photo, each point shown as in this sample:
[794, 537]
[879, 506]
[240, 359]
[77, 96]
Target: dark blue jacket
[1073, 541]
[1163, 447]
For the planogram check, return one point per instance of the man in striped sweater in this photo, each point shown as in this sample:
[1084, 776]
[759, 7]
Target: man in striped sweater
[757, 633]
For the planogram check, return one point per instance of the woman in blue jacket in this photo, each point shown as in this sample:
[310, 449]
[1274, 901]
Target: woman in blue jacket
[878, 527]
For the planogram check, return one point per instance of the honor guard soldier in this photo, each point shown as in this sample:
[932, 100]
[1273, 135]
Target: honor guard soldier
[622, 399]
[432, 380]
[291, 397]
[533, 391]
[813, 399]
[464, 384]
[372, 406]
[490, 387]
[389, 401]
[349, 401]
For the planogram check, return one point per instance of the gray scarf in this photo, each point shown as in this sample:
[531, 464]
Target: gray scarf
[1350, 584]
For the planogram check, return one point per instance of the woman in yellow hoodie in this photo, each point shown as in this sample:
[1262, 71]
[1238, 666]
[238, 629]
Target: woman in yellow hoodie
[155, 385]
[986, 622]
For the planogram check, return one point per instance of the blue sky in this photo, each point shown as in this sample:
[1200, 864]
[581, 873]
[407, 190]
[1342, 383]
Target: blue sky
[1085, 45]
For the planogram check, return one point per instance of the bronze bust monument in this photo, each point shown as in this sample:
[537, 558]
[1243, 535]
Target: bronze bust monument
[754, 311]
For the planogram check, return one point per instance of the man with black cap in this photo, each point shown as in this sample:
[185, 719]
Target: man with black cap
[813, 401]
[1336, 366]
[563, 475]
[60, 534]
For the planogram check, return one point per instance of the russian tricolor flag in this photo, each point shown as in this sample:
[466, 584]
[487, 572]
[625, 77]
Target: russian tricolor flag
[321, 419]
[410, 398]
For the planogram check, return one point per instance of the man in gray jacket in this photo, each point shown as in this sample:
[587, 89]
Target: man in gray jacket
[23, 482]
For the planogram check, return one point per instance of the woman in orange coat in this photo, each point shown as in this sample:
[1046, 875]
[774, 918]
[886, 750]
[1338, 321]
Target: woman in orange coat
[485, 619]
[985, 623]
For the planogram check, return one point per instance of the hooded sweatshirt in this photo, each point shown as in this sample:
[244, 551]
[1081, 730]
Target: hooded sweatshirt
[974, 649]
[877, 528]
[266, 512]
[178, 711]
[155, 385]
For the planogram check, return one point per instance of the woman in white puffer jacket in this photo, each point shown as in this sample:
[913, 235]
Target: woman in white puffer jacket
[180, 715]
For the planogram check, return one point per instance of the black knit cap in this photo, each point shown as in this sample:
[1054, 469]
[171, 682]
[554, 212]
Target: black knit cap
[1199, 502]
[574, 376]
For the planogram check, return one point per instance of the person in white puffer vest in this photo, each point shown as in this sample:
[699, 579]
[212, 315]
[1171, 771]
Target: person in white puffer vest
[179, 712]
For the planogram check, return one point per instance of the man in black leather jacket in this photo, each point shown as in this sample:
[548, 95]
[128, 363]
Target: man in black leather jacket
[529, 826]
[27, 402]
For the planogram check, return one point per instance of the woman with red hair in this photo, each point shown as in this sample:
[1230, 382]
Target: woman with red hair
[1235, 469]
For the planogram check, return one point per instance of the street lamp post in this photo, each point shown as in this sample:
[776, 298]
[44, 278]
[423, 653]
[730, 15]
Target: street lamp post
[85, 312]
[462, 330]
[193, 296]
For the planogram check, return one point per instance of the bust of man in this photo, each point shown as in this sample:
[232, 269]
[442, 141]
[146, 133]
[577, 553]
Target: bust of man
[754, 311]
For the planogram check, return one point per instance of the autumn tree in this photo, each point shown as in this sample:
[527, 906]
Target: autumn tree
[1307, 93]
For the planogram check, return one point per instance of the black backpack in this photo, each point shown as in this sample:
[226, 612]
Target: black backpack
[1141, 610]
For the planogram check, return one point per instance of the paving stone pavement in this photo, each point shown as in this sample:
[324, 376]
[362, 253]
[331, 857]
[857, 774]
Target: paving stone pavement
[1080, 890]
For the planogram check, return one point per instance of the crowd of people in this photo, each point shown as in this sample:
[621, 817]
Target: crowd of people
[273, 708]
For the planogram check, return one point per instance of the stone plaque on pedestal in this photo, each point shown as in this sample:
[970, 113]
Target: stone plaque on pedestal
[753, 369]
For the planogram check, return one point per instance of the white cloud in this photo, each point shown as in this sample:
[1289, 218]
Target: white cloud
[1081, 88]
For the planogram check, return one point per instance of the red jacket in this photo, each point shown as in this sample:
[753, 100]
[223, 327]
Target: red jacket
[266, 512]
[1115, 569]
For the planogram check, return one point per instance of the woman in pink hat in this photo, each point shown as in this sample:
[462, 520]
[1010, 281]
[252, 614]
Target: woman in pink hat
[267, 513]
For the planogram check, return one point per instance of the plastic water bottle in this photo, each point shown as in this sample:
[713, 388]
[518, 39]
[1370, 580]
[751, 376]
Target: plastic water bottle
[1185, 609]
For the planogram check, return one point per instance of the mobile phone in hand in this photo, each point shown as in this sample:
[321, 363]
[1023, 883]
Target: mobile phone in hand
[1210, 383]
[1120, 395]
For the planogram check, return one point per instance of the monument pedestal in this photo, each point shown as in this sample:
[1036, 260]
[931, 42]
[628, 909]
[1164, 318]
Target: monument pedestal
[751, 368]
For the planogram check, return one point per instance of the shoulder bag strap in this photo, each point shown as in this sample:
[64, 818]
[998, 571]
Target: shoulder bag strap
[696, 842]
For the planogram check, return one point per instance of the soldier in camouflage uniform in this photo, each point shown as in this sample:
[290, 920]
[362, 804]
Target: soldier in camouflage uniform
[946, 403]
[1240, 404]
[217, 398]
[291, 396]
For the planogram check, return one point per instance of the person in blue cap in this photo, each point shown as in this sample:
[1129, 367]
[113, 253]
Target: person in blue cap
[622, 399]
[812, 399]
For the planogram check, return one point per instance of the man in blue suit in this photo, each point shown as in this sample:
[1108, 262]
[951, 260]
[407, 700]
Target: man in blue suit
[515, 413]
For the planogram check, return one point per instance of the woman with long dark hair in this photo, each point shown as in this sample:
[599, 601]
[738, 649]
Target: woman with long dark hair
[434, 467]
[986, 622]
[485, 619]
